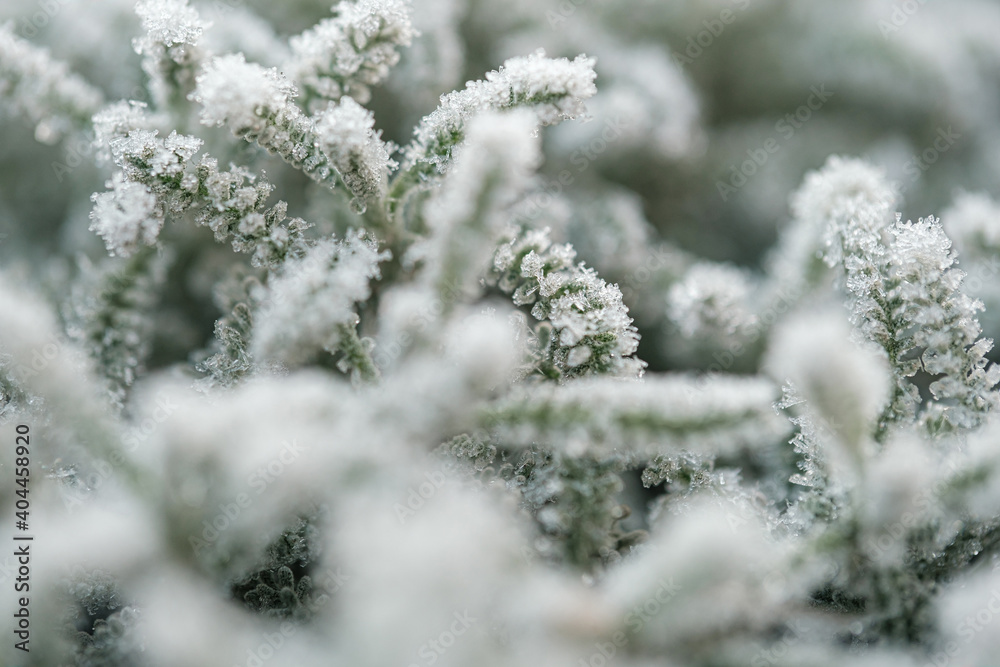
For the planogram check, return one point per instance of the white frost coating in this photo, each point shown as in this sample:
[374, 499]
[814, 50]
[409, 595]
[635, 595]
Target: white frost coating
[170, 55]
[126, 217]
[306, 306]
[850, 201]
[933, 326]
[943, 323]
[350, 53]
[346, 134]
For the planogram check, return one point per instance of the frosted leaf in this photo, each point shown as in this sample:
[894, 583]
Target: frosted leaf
[170, 55]
[126, 217]
[942, 324]
[115, 121]
[849, 200]
[349, 53]
[256, 104]
[904, 294]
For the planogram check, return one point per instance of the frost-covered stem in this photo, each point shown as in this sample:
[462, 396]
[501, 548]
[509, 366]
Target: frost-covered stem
[156, 181]
[555, 89]
[339, 145]
[349, 53]
[43, 90]
[256, 104]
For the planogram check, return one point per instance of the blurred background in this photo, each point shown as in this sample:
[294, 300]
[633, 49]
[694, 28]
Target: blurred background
[709, 114]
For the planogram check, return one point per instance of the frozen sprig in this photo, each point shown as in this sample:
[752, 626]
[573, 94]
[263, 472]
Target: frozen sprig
[905, 295]
[348, 54]
[584, 327]
[555, 89]
[345, 132]
[940, 325]
[43, 90]
[310, 305]
[658, 415]
[256, 104]
[231, 203]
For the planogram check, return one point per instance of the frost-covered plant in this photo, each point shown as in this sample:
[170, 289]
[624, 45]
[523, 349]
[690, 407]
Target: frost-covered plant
[346, 343]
